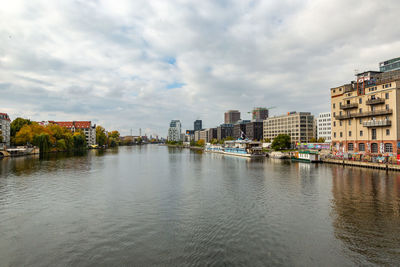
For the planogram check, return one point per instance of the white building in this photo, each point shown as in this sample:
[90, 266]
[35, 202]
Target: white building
[86, 126]
[5, 128]
[174, 131]
[324, 126]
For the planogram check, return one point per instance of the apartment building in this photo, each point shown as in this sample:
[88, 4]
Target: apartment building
[324, 126]
[86, 126]
[232, 116]
[298, 125]
[254, 130]
[5, 129]
[224, 131]
[239, 129]
[365, 115]
[174, 131]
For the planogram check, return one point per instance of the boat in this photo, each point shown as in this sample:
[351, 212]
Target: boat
[242, 148]
[307, 156]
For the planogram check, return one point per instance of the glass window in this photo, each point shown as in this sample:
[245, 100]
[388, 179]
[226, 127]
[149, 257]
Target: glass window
[373, 134]
[350, 147]
[340, 123]
[349, 122]
[374, 148]
[388, 147]
[360, 100]
[361, 147]
[334, 106]
[361, 133]
[360, 121]
[387, 106]
[349, 133]
[341, 134]
[387, 132]
[387, 95]
[334, 135]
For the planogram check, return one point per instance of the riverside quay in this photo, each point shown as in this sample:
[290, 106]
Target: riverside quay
[365, 114]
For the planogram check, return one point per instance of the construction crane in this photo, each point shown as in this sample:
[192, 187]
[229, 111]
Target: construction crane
[253, 112]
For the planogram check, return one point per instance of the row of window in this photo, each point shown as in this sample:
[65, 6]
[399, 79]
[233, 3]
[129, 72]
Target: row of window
[373, 133]
[388, 147]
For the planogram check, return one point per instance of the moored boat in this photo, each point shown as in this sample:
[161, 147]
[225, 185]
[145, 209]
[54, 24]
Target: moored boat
[307, 156]
[242, 148]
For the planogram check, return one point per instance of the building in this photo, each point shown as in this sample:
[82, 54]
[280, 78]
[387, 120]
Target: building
[174, 131]
[212, 134]
[197, 135]
[198, 125]
[85, 126]
[298, 125]
[254, 130]
[239, 129]
[5, 129]
[259, 114]
[224, 131]
[232, 116]
[390, 65]
[324, 126]
[203, 135]
[365, 113]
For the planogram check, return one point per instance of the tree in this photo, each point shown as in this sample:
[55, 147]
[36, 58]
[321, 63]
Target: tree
[267, 140]
[114, 134]
[139, 140]
[43, 142]
[101, 136]
[214, 141]
[321, 140]
[1, 136]
[313, 140]
[201, 142]
[281, 141]
[17, 124]
[79, 140]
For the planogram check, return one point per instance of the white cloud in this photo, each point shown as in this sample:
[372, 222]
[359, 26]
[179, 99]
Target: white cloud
[115, 62]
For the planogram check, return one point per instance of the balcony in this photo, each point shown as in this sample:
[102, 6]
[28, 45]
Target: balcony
[377, 123]
[349, 106]
[375, 101]
[365, 114]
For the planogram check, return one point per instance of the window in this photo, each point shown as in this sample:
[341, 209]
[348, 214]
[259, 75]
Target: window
[334, 135]
[388, 147]
[360, 100]
[349, 133]
[372, 97]
[340, 123]
[361, 133]
[360, 121]
[334, 106]
[334, 123]
[373, 134]
[374, 148]
[387, 106]
[334, 114]
[361, 147]
[350, 147]
[360, 110]
[341, 134]
[349, 122]
[387, 95]
[387, 132]
[348, 102]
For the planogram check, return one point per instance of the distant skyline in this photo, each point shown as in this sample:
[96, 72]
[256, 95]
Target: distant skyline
[140, 64]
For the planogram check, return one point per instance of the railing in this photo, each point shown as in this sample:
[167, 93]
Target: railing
[365, 114]
[374, 123]
[375, 101]
[349, 106]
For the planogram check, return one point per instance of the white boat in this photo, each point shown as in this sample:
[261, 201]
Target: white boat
[242, 148]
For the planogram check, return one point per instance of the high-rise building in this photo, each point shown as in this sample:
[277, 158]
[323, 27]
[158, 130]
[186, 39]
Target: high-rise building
[232, 116]
[389, 65]
[174, 131]
[259, 114]
[224, 131]
[198, 125]
[324, 126]
[254, 130]
[212, 134]
[86, 126]
[365, 113]
[298, 125]
[239, 129]
[5, 129]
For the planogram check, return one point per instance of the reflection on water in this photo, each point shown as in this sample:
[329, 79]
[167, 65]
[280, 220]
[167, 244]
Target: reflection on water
[366, 211]
[157, 205]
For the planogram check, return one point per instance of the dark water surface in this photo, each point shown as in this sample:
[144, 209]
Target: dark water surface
[155, 205]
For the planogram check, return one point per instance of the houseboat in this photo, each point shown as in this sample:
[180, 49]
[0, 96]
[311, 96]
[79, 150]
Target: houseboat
[242, 148]
[307, 156]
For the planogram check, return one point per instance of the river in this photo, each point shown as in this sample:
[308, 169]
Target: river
[160, 206]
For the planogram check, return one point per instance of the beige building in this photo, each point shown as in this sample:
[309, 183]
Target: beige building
[365, 114]
[299, 126]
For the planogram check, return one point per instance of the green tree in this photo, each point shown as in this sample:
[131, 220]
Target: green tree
[281, 141]
[139, 140]
[214, 141]
[321, 140]
[17, 124]
[42, 141]
[267, 140]
[201, 142]
[79, 140]
[313, 140]
[101, 137]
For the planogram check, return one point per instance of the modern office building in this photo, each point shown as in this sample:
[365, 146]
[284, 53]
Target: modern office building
[239, 129]
[390, 65]
[198, 125]
[365, 114]
[232, 116]
[254, 130]
[259, 114]
[197, 135]
[224, 131]
[212, 134]
[324, 126]
[86, 126]
[298, 125]
[203, 135]
[5, 129]
[174, 131]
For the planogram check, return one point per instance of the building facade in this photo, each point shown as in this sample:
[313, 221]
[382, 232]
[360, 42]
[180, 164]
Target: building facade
[390, 65]
[224, 131]
[198, 125]
[298, 125]
[203, 135]
[259, 114]
[232, 116]
[324, 126]
[86, 126]
[365, 114]
[254, 130]
[212, 134]
[239, 129]
[5, 128]
[174, 131]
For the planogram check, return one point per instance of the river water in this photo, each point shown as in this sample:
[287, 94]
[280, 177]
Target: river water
[159, 206]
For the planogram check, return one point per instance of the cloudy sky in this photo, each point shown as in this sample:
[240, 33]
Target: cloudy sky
[139, 64]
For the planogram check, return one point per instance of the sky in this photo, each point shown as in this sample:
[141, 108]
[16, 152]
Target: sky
[140, 64]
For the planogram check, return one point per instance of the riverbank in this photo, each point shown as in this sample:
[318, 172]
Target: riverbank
[371, 165]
